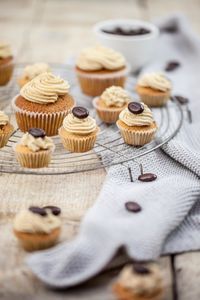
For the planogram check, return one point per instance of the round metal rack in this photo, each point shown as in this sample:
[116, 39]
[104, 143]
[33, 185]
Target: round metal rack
[109, 149]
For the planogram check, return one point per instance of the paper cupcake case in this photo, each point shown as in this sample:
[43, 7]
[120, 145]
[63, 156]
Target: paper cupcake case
[34, 160]
[50, 122]
[77, 143]
[137, 138]
[154, 101]
[4, 137]
[6, 71]
[107, 115]
[95, 84]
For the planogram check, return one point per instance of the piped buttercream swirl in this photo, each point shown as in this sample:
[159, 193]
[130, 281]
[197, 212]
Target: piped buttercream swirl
[143, 119]
[98, 58]
[31, 71]
[157, 81]
[5, 50]
[44, 89]
[3, 118]
[115, 96]
[36, 144]
[78, 126]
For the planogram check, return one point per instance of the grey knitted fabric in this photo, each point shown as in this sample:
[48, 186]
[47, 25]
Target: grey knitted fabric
[170, 217]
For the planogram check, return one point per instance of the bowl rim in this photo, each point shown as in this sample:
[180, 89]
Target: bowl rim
[97, 29]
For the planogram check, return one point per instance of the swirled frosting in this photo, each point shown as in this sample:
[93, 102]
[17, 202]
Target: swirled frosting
[29, 222]
[31, 71]
[5, 50]
[78, 126]
[98, 58]
[3, 118]
[141, 284]
[143, 119]
[36, 144]
[115, 96]
[44, 89]
[157, 81]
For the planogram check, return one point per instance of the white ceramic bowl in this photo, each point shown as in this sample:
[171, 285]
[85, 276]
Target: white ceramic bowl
[138, 50]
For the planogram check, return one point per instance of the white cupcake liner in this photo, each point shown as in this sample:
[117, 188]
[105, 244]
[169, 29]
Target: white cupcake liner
[154, 100]
[50, 122]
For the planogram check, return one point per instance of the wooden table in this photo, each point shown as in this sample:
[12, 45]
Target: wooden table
[52, 31]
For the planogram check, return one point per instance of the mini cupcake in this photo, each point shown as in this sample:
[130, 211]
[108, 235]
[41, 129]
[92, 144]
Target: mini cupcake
[6, 64]
[38, 228]
[79, 130]
[140, 282]
[31, 71]
[109, 105]
[154, 89]
[136, 124]
[35, 149]
[6, 129]
[43, 103]
[98, 68]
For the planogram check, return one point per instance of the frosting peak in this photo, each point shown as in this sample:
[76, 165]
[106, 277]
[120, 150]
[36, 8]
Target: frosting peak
[115, 96]
[34, 70]
[36, 144]
[78, 126]
[3, 118]
[44, 88]
[99, 57]
[131, 119]
[157, 81]
[5, 50]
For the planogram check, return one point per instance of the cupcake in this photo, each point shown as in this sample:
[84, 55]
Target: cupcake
[136, 124]
[31, 71]
[139, 282]
[6, 64]
[109, 105]
[37, 228]
[34, 149]
[98, 68]
[154, 89]
[43, 103]
[79, 130]
[6, 129]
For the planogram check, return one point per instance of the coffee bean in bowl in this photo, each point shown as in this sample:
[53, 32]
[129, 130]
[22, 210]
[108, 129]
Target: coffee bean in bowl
[127, 32]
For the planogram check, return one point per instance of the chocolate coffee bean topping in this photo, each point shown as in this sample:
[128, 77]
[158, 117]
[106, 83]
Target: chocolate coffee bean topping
[37, 132]
[38, 210]
[133, 206]
[135, 108]
[80, 112]
[141, 269]
[172, 65]
[147, 177]
[54, 209]
[127, 32]
[181, 100]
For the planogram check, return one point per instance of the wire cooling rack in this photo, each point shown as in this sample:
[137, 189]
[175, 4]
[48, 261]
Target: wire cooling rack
[109, 149]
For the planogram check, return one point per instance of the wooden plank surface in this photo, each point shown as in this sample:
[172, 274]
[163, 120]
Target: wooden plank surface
[52, 31]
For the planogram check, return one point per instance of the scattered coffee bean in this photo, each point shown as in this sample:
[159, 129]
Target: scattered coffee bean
[80, 112]
[54, 209]
[171, 28]
[133, 206]
[172, 65]
[38, 210]
[147, 177]
[127, 32]
[135, 108]
[141, 269]
[37, 132]
[182, 100]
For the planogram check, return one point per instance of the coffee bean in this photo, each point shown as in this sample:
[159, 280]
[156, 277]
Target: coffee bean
[141, 269]
[181, 100]
[135, 108]
[133, 206]
[147, 177]
[54, 209]
[172, 65]
[171, 28]
[80, 112]
[127, 32]
[37, 132]
[38, 210]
